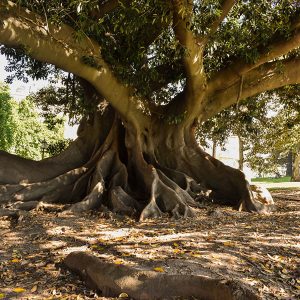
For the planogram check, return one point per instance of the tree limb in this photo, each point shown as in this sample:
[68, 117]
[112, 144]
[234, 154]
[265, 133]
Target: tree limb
[266, 77]
[193, 57]
[226, 6]
[230, 75]
[57, 45]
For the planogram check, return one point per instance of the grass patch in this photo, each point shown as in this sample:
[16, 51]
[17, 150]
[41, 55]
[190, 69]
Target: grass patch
[278, 189]
[271, 179]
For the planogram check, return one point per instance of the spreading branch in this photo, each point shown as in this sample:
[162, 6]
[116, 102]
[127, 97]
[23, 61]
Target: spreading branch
[57, 45]
[226, 6]
[193, 57]
[266, 77]
[232, 74]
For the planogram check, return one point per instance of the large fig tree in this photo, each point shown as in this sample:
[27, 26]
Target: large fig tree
[153, 70]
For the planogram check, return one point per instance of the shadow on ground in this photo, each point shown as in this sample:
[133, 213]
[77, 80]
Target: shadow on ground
[261, 251]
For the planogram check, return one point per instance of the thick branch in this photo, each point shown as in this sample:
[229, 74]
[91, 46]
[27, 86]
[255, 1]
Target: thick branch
[232, 74]
[193, 57]
[57, 45]
[267, 77]
[226, 6]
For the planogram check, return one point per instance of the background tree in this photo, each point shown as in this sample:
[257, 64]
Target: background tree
[7, 122]
[279, 139]
[163, 67]
[246, 120]
[24, 130]
[268, 125]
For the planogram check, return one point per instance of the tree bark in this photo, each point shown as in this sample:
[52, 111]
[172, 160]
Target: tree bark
[289, 164]
[127, 158]
[144, 171]
[214, 149]
[296, 167]
[241, 153]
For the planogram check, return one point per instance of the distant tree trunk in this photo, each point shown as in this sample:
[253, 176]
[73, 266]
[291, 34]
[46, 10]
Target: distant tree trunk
[214, 149]
[289, 164]
[241, 153]
[296, 167]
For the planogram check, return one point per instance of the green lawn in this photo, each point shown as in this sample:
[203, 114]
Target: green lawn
[271, 179]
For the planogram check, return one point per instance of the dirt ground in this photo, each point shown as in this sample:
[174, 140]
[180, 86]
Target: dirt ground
[261, 251]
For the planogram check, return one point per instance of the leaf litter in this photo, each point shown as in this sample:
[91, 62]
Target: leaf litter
[262, 251]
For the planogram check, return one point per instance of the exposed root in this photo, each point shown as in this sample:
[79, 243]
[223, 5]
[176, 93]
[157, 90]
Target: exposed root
[122, 176]
[258, 200]
[33, 191]
[13, 213]
[145, 284]
[91, 201]
[122, 203]
[167, 198]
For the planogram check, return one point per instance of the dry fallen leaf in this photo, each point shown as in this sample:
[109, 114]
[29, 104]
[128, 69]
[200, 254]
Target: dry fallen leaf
[123, 295]
[229, 244]
[15, 260]
[2, 296]
[19, 290]
[159, 269]
[178, 251]
[34, 289]
[196, 255]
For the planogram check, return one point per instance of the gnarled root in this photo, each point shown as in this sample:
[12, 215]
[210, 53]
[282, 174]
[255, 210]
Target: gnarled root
[128, 178]
[145, 284]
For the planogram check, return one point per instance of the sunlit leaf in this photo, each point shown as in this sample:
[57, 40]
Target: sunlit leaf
[123, 295]
[159, 269]
[177, 251]
[34, 289]
[229, 244]
[19, 290]
[196, 254]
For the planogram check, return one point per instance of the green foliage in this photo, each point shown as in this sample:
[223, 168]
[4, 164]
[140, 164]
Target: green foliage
[91, 61]
[137, 39]
[23, 131]
[269, 126]
[67, 98]
[271, 179]
[175, 119]
[246, 119]
[56, 147]
[7, 120]
[29, 131]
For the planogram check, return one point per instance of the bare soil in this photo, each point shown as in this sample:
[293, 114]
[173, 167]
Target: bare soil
[261, 251]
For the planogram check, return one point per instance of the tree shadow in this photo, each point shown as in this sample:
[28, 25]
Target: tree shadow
[258, 250]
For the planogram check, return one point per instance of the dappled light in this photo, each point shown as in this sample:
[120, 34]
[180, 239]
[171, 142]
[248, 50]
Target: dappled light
[135, 205]
[262, 252]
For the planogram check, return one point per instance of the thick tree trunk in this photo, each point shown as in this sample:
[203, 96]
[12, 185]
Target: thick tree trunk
[214, 149]
[241, 153]
[289, 164]
[296, 167]
[147, 171]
